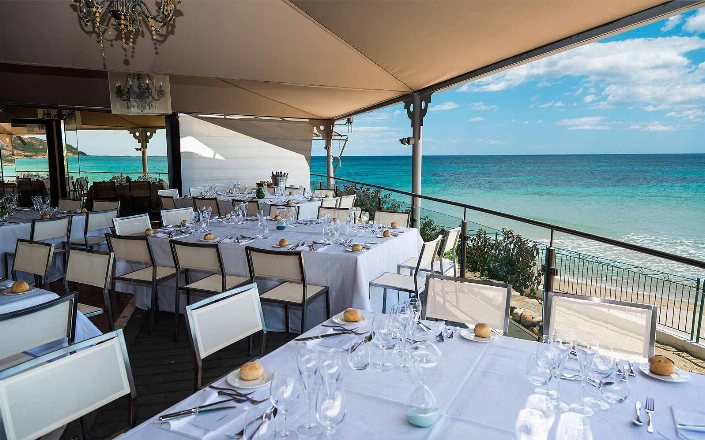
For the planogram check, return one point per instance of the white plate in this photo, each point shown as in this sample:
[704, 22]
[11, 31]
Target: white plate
[234, 380]
[470, 336]
[7, 291]
[382, 236]
[215, 240]
[338, 319]
[678, 375]
[347, 249]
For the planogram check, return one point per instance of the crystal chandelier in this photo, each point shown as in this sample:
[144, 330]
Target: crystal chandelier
[139, 93]
[126, 18]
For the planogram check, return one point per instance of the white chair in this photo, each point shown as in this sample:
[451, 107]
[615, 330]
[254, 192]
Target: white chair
[134, 224]
[295, 189]
[207, 202]
[199, 258]
[252, 208]
[196, 191]
[283, 210]
[105, 205]
[387, 217]
[56, 231]
[627, 329]
[91, 269]
[406, 283]
[222, 320]
[95, 221]
[174, 217]
[69, 205]
[330, 202]
[46, 393]
[326, 193]
[34, 326]
[334, 213]
[468, 301]
[136, 249]
[287, 267]
[346, 202]
[173, 193]
[441, 264]
[33, 258]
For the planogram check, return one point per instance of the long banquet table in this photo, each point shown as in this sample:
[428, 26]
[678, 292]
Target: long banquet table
[480, 388]
[308, 209]
[346, 274]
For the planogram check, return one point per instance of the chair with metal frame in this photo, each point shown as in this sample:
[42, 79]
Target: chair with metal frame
[346, 202]
[627, 329]
[334, 213]
[48, 231]
[106, 205]
[468, 301]
[441, 264]
[30, 409]
[222, 320]
[134, 224]
[282, 210]
[167, 202]
[95, 221]
[196, 191]
[33, 258]
[190, 258]
[330, 202]
[406, 283]
[69, 205]
[325, 193]
[91, 268]
[173, 193]
[136, 249]
[252, 208]
[174, 217]
[35, 326]
[287, 267]
[207, 202]
[387, 217]
[296, 189]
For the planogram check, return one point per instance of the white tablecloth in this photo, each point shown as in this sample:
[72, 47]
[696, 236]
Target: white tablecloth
[308, 209]
[346, 274]
[480, 388]
[84, 327]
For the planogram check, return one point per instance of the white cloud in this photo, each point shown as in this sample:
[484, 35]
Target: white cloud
[638, 72]
[671, 23]
[585, 123]
[549, 104]
[379, 116]
[374, 132]
[695, 23]
[652, 126]
[589, 98]
[695, 115]
[448, 105]
[476, 119]
[481, 106]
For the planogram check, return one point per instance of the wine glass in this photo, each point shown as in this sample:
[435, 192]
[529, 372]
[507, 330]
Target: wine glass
[330, 408]
[562, 346]
[384, 338]
[330, 366]
[586, 349]
[535, 419]
[602, 366]
[307, 361]
[615, 389]
[427, 356]
[538, 373]
[285, 390]
[359, 355]
[573, 426]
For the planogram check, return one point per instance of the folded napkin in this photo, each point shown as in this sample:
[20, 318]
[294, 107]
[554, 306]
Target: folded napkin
[690, 423]
[198, 426]
[341, 342]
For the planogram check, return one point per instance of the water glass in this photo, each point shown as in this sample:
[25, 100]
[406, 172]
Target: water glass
[586, 349]
[307, 362]
[330, 366]
[285, 390]
[615, 389]
[384, 338]
[530, 425]
[330, 409]
[359, 355]
[573, 426]
[538, 373]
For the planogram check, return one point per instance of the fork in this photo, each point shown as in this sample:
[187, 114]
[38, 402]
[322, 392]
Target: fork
[243, 398]
[649, 410]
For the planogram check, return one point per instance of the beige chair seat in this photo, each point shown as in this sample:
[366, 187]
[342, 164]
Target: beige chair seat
[214, 283]
[146, 273]
[89, 311]
[395, 281]
[291, 292]
[91, 240]
[411, 264]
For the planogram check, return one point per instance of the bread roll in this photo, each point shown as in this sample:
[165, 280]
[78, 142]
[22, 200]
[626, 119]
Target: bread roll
[483, 330]
[357, 247]
[352, 315]
[149, 231]
[661, 365]
[283, 242]
[45, 216]
[251, 371]
[19, 287]
[209, 236]
[277, 217]
[386, 233]
[394, 225]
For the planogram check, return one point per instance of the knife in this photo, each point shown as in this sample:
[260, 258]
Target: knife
[325, 335]
[196, 409]
[188, 412]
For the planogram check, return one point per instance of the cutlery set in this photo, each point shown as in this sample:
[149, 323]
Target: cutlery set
[234, 396]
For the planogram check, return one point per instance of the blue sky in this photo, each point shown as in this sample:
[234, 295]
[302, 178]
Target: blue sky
[642, 91]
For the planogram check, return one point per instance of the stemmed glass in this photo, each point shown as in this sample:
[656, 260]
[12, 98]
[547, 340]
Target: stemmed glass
[330, 408]
[384, 338]
[538, 373]
[601, 367]
[535, 419]
[330, 366]
[285, 390]
[586, 349]
[307, 361]
[573, 426]
[562, 347]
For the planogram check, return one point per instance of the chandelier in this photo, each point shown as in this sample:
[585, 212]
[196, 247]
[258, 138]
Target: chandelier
[126, 18]
[139, 93]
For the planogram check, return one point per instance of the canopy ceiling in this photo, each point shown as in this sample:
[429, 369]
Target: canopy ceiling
[317, 59]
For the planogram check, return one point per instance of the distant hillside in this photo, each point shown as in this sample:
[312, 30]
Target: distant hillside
[32, 148]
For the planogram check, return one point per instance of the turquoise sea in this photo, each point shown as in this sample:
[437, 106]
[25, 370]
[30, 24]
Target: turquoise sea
[654, 200]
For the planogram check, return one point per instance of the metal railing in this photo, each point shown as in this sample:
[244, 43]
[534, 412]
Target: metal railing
[680, 300]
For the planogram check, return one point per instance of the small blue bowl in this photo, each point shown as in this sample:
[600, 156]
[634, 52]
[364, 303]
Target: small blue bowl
[281, 227]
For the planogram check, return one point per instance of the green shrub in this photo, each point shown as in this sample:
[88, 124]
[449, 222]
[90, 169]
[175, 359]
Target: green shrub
[371, 199]
[429, 229]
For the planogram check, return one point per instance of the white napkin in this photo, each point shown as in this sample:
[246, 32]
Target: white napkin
[199, 426]
[683, 416]
[341, 342]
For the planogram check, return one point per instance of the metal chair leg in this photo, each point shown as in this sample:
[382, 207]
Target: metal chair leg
[384, 300]
[177, 312]
[109, 309]
[286, 318]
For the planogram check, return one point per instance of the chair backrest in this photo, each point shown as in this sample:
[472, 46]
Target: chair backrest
[134, 224]
[24, 184]
[69, 205]
[198, 256]
[334, 213]
[105, 205]
[140, 188]
[282, 210]
[173, 193]
[89, 268]
[37, 325]
[450, 241]
[167, 202]
[628, 329]
[429, 252]
[104, 190]
[387, 217]
[130, 248]
[175, 216]
[96, 220]
[468, 301]
[324, 193]
[330, 202]
[196, 191]
[346, 201]
[252, 208]
[296, 189]
[205, 202]
[50, 228]
[50, 391]
[223, 319]
[32, 257]
[279, 265]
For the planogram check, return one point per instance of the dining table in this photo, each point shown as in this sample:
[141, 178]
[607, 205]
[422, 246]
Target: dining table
[347, 274]
[480, 388]
[307, 207]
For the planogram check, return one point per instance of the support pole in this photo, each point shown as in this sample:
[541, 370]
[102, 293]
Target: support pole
[143, 136]
[56, 159]
[327, 134]
[416, 109]
[173, 151]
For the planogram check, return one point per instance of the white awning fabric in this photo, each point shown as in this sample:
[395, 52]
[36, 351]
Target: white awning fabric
[317, 59]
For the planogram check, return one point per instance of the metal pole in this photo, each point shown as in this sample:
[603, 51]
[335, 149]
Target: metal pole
[695, 309]
[416, 109]
[327, 132]
[463, 243]
[143, 136]
[549, 269]
[700, 319]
